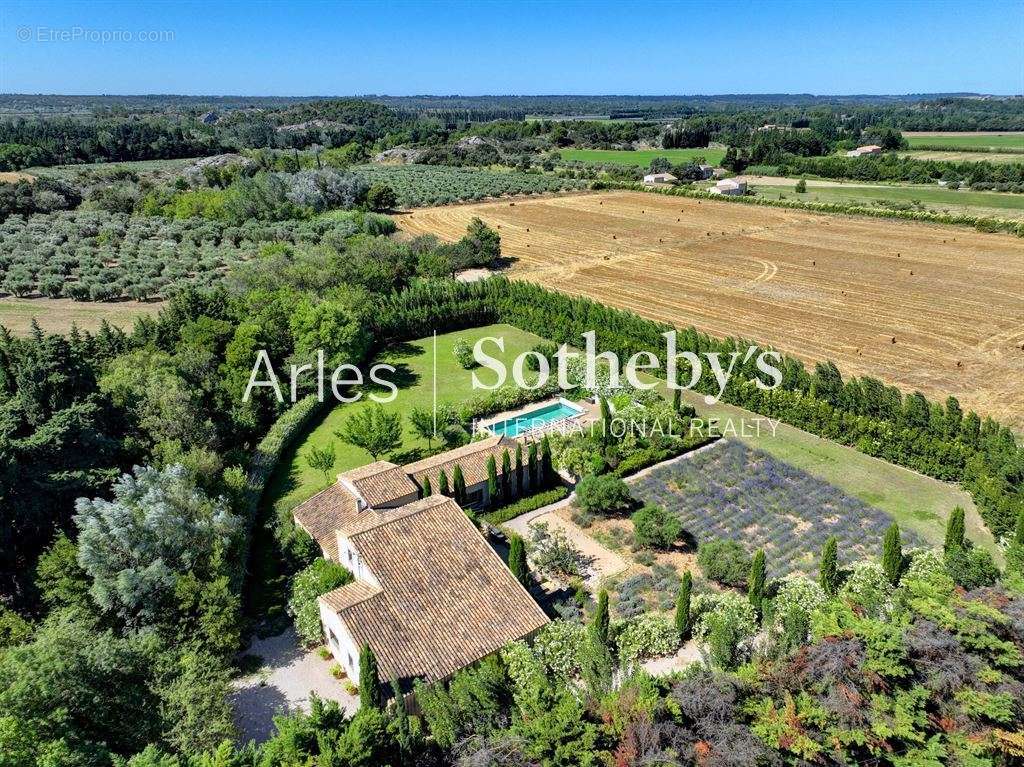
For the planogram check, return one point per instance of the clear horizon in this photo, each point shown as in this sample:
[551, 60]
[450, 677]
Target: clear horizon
[306, 49]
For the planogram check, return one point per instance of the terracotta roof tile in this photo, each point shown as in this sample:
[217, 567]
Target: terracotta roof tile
[327, 511]
[380, 483]
[472, 458]
[348, 595]
[446, 598]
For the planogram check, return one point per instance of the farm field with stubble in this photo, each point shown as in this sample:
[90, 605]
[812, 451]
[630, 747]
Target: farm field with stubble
[925, 307]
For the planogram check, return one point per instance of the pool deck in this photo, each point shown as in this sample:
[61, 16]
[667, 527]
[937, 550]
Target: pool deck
[591, 413]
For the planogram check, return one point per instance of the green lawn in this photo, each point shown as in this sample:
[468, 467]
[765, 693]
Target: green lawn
[956, 141]
[932, 197]
[294, 481]
[641, 157]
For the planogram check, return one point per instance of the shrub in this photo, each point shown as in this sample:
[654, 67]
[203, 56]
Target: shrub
[971, 567]
[723, 621]
[797, 598]
[522, 506]
[381, 197]
[724, 561]
[553, 554]
[655, 528]
[602, 495]
[309, 584]
[647, 636]
[559, 646]
[870, 589]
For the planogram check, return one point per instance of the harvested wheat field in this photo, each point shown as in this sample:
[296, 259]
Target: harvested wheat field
[933, 308]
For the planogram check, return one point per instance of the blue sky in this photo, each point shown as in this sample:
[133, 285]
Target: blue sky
[401, 48]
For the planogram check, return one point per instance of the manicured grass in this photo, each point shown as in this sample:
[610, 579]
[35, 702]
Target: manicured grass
[294, 480]
[932, 197]
[641, 157]
[956, 141]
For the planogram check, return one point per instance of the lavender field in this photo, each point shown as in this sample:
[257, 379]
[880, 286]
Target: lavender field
[732, 491]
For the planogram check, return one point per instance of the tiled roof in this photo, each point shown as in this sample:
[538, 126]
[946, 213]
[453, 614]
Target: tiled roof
[380, 483]
[330, 509]
[348, 595]
[472, 458]
[446, 598]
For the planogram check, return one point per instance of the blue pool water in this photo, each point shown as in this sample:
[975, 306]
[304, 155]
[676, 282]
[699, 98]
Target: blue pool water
[531, 419]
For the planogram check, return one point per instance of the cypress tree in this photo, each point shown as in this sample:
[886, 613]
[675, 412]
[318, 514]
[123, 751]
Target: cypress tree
[520, 481]
[492, 481]
[756, 581]
[954, 531]
[606, 420]
[1015, 552]
[683, 606]
[892, 554]
[602, 619]
[442, 483]
[400, 718]
[547, 470]
[506, 477]
[517, 559]
[532, 467]
[427, 488]
[828, 576]
[458, 485]
[370, 695]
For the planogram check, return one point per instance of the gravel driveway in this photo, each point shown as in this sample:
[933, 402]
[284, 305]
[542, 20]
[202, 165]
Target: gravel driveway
[283, 685]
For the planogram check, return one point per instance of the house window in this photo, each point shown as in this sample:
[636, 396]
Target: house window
[475, 498]
[333, 639]
[350, 556]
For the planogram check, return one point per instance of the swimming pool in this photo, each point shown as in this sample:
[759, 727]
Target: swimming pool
[532, 419]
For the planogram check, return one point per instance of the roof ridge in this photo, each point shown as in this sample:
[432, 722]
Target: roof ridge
[386, 517]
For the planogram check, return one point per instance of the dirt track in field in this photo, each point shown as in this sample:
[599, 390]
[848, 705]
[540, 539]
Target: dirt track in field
[817, 286]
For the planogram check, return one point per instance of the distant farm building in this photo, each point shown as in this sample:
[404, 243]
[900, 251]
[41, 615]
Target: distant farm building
[659, 178]
[729, 186]
[863, 150]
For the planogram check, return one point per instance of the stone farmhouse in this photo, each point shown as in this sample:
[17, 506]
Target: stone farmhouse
[430, 595]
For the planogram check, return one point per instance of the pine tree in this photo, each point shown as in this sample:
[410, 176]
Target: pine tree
[427, 488]
[602, 619]
[828, 576]
[493, 492]
[442, 483]
[458, 485]
[954, 530]
[683, 606]
[756, 581]
[892, 554]
[547, 469]
[506, 477]
[517, 559]
[370, 695]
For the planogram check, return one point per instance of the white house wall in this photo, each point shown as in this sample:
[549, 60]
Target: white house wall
[338, 638]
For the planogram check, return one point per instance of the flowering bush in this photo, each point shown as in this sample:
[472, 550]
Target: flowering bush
[710, 609]
[798, 597]
[926, 565]
[646, 636]
[464, 354]
[868, 588]
[559, 646]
